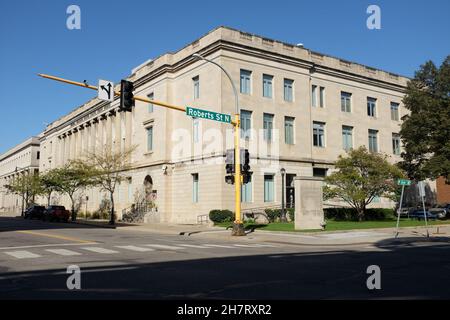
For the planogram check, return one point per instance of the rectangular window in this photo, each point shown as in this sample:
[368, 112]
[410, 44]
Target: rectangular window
[196, 130]
[269, 191]
[246, 124]
[149, 138]
[314, 96]
[320, 172]
[246, 192]
[346, 102]
[371, 107]
[267, 85]
[268, 126]
[347, 137]
[289, 130]
[394, 111]
[195, 187]
[246, 77]
[288, 90]
[396, 143]
[373, 140]
[322, 97]
[151, 96]
[319, 134]
[196, 82]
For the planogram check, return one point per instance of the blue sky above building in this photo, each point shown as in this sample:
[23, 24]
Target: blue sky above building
[35, 39]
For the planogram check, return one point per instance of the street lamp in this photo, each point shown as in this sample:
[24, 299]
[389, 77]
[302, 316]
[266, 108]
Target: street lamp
[283, 192]
[16, 170]
[238, 226]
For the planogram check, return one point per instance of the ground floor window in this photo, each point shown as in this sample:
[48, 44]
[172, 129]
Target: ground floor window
[195, 187]
[246, 192]
[269, 191]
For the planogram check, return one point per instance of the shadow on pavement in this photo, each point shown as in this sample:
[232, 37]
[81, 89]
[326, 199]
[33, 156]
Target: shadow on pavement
[19, 223]
[408, 271]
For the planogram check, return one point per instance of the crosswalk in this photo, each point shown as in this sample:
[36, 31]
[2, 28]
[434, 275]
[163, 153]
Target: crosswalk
[119, 249]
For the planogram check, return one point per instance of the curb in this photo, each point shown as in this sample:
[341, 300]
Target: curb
[98, 225]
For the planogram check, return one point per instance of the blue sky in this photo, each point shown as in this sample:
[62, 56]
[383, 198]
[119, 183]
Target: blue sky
[34, 39]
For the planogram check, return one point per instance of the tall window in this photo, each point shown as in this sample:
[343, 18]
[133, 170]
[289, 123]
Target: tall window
[346, 102]
[394, 111]
[347, 137]
[269, 191]
[319, 134]
[246, 192]
[373, 140]
[149, 138]
[246, 124]
[314, 96]
[196, 130]
[267, 85]
[396, 143]
[268, 126]
[322, 97]
[151, 96]
[195, 187]
[289, 130]
[371, 107]
[288, 90]
[246, 77]
[196, 82]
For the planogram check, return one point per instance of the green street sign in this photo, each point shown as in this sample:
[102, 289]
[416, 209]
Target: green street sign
[210, 115]
[404, 182]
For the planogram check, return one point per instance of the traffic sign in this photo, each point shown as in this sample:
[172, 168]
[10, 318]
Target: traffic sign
[210, 115]
[404, 182]
[106, 90]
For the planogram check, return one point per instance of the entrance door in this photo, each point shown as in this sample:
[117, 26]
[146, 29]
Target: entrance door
[290, 191]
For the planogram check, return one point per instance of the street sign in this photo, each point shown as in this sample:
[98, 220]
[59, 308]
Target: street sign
[421, 188]
[404, 182]
[106, 90]
[210, 115]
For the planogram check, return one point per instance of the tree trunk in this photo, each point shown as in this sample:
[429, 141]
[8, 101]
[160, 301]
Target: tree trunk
[48, 199]
[74, 216]
[361, 212]
[112, 221]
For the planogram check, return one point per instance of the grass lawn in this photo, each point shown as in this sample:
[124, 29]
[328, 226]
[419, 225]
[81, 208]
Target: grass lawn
[341, 225]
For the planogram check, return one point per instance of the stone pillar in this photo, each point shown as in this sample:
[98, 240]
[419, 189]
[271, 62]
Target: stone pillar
[308, 203]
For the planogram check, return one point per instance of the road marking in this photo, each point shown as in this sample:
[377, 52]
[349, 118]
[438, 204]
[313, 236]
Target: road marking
[218, 246]
[55, 236]
[22, 254]
[263, 245]
[100, 250]
[63, 252]
[45, 245]
[193, 246]
[162, 246]
[246, 245]
[135, 248]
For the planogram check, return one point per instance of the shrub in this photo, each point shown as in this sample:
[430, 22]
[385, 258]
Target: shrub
[291, 214]
[218, 216]
[350, 214]
[273, 214]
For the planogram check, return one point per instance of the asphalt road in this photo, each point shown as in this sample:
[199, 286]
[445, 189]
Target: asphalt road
[125, 264]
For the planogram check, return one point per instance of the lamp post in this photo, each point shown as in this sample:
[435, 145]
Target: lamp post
[23, 200]
[238, 226]
[283, 187]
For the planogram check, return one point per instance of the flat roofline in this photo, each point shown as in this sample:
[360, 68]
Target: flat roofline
[33, 141]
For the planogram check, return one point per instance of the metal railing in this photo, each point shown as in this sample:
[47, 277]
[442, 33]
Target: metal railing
[136, 213]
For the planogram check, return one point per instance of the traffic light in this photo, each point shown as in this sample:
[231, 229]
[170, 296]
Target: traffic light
[126, 96]
[229, 166]
[246, 173]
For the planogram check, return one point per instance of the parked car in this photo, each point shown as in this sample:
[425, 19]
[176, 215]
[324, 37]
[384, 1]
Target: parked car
[34, 211]
[441, 212]
[56, 213]
[419, 215]
[404, 212]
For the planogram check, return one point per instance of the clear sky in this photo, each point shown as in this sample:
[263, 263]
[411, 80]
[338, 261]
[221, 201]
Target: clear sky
[35, 39]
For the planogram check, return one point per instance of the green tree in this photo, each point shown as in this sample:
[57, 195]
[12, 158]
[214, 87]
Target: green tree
[50, 182]
[361, 176]
[27, 186]
[425, 130]
[72, 178]
[108, 168]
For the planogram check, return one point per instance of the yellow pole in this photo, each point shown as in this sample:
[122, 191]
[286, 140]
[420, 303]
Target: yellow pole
[238, 227]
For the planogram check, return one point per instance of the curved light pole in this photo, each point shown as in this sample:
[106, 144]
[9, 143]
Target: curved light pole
[238, 226]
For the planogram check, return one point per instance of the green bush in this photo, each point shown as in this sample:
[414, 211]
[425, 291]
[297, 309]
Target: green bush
[219, 216]
[273, 214]
[291, 214]
[350, 214]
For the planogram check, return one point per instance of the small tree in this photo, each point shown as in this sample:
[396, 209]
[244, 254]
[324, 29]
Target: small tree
[360, 177]
[27, 186]
[50, 182]
[108, 169]
[71, 178]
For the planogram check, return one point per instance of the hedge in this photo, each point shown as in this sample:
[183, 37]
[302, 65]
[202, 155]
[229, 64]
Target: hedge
[218, 216]
[350, 214]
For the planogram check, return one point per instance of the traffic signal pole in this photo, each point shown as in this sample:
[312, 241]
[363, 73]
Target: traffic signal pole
[238, 226]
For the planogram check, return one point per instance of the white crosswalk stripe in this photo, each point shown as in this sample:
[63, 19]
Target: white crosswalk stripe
[218, 246]
[164, 247]
[22, 254]
[100, 250]
[63, 252]
[135, 248]
[194, 246]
